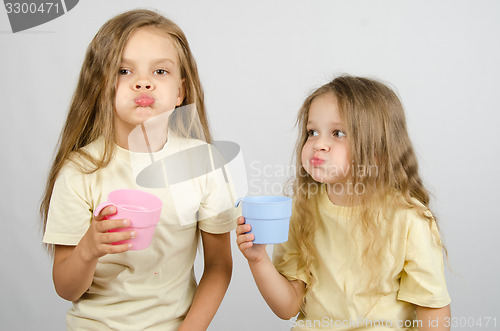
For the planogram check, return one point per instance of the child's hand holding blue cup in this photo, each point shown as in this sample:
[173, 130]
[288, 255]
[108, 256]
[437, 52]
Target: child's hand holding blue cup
[265, 220]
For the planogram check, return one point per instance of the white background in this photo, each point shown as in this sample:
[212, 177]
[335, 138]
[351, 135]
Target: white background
[258, 60]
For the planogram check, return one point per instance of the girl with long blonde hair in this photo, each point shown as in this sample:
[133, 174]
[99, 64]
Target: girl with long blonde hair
[138, 68]
[364, 249]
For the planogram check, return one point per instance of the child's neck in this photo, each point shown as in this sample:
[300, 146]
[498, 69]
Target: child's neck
[342, 194]
[150, 141]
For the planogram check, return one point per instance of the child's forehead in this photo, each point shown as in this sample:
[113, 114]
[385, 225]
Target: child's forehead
[150, 32]
[324, 108]
[148, 42]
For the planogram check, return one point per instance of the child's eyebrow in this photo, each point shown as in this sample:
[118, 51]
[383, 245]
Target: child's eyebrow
[331, 123]
[157, 61]
[164, 60]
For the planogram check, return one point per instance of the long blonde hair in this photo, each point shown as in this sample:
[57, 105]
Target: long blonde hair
[375, 124]
[91, 112]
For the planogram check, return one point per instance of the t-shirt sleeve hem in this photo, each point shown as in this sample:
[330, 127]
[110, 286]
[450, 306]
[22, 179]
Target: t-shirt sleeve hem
[219, 228]
[58, 239]
[217, 225]
[429, 303]
[293, 276]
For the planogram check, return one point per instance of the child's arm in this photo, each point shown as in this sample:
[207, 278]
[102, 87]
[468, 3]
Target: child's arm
[74, 266]
[429, 315]
[284, 297]
[214, 282]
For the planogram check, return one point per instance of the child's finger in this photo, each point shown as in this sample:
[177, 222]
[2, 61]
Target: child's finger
[106, 225]
[245, 245]
[112, 237]
[113, 249]
[249, 237]
[109, 210]
[244, 228]
[240, 220]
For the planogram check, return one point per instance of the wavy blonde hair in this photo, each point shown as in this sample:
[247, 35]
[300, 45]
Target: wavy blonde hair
[376, 130]
[91, 112]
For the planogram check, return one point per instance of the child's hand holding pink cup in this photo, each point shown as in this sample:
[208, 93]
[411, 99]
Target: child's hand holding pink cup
[98, 241]
[126, 221]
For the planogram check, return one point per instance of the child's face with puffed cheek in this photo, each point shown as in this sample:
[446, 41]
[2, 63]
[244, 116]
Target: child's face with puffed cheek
[149, 79]
[325, 155]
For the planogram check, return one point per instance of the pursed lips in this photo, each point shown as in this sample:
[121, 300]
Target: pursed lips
[316, 161]
[144, 100]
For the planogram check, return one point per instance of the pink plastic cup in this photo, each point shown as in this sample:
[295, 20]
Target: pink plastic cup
[141, 208]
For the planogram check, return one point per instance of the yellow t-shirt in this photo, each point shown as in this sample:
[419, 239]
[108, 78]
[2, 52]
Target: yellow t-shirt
[150, 289]
[339, 301]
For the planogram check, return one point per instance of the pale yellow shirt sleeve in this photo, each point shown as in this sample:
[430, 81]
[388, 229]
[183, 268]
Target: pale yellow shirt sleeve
[422, 281]
[285, 259]
[217, 213]
[70, 213]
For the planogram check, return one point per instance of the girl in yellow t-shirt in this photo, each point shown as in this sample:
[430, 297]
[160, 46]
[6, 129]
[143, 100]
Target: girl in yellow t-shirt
[138, 68]
[364, 249]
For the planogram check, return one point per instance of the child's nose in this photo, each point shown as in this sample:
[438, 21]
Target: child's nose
[321, 145]
[143, 84]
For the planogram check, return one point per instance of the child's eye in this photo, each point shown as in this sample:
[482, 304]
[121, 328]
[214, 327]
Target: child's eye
[338, 134]
[311, 133]
[124, 72]
[161, 72]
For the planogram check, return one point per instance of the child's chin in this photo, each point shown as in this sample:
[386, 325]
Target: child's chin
[144, 113]
[319, 179]
[317, 175]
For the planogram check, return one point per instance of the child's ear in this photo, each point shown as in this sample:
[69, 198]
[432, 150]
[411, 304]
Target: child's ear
[182, 93]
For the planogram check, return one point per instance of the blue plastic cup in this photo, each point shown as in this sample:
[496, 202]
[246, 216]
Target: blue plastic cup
[269, 217]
